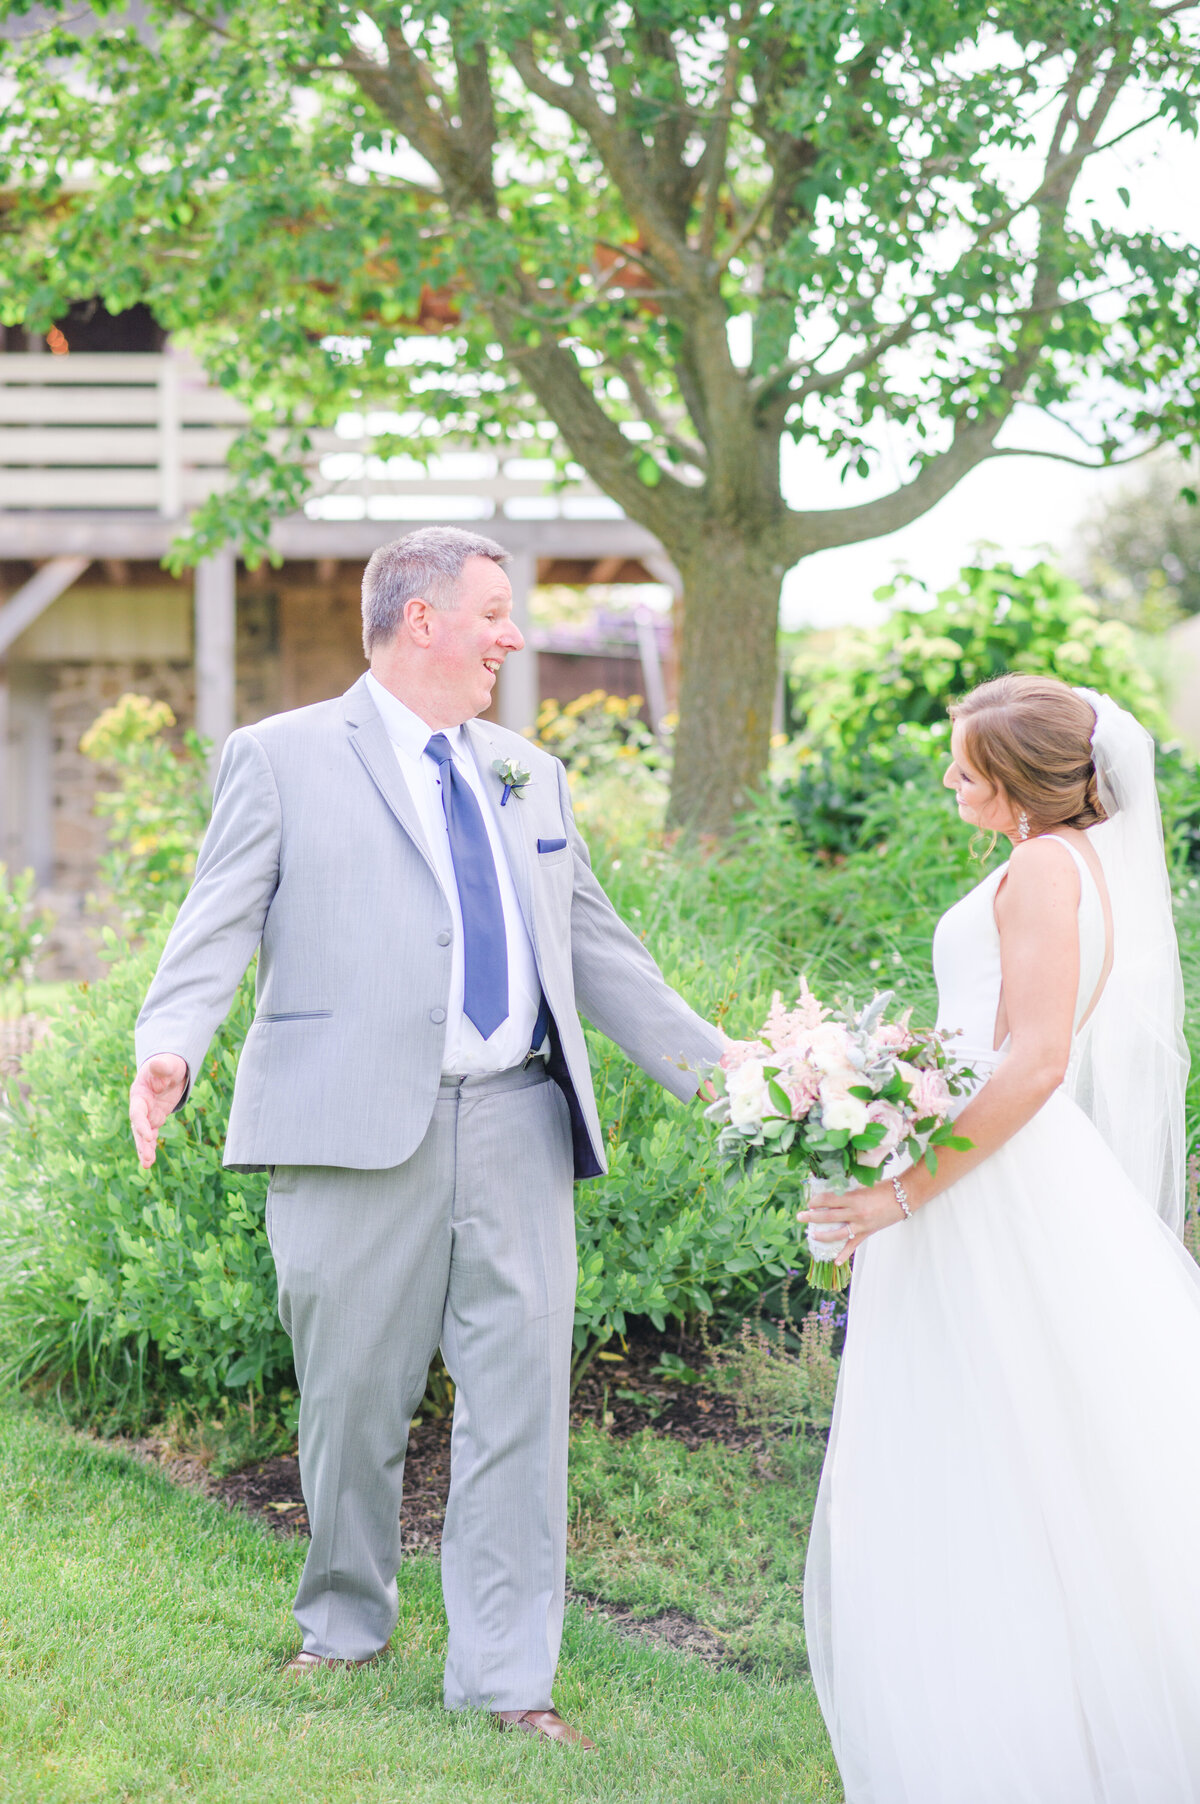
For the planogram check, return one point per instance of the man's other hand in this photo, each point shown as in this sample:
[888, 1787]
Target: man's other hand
[154, 1092]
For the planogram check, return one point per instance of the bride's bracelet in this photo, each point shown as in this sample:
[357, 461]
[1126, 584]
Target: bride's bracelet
[902, 1198]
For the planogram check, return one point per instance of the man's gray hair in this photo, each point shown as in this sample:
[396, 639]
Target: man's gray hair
[428, 562]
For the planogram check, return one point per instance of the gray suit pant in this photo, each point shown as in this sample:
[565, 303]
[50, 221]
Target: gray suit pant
[470, 1244]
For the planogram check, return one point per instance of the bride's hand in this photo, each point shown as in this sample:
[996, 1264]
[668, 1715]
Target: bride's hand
[860, 1213]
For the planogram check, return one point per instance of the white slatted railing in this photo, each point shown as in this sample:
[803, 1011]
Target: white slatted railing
[147, 433]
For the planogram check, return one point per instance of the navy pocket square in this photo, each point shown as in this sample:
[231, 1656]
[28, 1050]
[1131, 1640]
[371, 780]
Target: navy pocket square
[552, 845]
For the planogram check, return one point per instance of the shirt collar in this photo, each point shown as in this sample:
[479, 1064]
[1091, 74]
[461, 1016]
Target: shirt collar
[406, 730]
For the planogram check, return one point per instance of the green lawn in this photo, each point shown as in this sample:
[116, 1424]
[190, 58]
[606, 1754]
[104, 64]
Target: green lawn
[719, 1535]
[142, 1629]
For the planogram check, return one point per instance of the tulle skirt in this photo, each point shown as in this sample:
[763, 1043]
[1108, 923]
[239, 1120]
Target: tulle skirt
[1002, 1598]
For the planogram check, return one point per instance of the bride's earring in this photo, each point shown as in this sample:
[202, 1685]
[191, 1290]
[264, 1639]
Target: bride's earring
[1022, 824]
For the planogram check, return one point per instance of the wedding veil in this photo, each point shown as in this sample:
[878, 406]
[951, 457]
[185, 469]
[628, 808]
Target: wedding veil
[1133, 1062]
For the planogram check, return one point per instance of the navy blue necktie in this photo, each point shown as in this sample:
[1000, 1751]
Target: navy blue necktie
[485, 945]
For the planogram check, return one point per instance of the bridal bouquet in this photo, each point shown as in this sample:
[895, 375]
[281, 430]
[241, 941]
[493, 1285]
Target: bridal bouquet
[837, 1093]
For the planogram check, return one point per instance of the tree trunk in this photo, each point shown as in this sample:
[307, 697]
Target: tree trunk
[728, 676]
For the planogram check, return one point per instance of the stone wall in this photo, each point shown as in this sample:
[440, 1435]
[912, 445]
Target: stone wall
[78, 694]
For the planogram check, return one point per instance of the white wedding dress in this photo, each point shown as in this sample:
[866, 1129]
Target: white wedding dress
[1002, 1598]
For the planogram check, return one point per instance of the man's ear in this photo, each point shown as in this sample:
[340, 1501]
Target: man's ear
[417, 612]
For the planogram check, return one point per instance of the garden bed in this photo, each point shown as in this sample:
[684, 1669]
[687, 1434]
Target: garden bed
[622, 1393]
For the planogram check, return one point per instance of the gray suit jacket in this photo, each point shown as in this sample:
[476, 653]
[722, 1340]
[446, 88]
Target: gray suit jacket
[315, 859]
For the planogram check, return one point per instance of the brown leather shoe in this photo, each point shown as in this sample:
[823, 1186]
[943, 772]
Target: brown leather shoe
[310, 1662]
[547, 1723]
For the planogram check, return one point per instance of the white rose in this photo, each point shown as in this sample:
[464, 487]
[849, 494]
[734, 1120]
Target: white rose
[829, 1048]
[749, 1098]
[841, 1110]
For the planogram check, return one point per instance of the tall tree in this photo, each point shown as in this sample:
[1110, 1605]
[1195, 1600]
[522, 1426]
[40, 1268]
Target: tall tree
[681, 230]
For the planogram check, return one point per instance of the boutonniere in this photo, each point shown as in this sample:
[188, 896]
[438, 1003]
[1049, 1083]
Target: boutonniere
[513, 777]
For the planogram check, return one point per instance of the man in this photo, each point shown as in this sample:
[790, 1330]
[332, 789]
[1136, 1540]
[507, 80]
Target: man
[416, 1080]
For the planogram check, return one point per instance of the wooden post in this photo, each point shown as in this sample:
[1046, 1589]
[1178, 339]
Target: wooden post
[8, 824]
[170, 441]
[216, 645]
[652, 673]
[519, 677]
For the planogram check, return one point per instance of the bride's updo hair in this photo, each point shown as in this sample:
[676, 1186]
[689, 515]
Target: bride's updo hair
[1032, 737]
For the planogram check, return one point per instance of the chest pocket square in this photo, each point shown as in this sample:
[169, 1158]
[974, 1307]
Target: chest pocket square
[552, 845]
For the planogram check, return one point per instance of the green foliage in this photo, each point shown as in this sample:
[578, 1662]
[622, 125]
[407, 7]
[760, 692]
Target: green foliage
[780, 1383]
[130, 1287]
[139, 1289]
[860, 229]
[581, 256]
[619, 772]
[598, 733]
[670, 1232]
[23, 927]
[1140, 548]
[873, 712]
[158, 811]
[991, 620]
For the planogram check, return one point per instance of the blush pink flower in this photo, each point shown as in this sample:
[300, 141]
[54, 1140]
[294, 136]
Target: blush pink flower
[931, 1095]
[738, 1052]
[894, 1036]
[893, 1123]
[802, 1086]
[808, 1012]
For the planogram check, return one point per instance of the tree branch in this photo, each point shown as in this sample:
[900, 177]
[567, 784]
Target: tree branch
[1078, 463]
[624, 154]
[404, 92]
[821, 384]
[823, 528]
[649, 408]
[711, 166]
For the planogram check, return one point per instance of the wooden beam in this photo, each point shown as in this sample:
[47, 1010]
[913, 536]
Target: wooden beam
[216, 645]
[518, 699]
[35, 596]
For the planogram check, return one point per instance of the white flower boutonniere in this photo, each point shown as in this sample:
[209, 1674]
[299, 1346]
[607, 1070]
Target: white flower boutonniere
[513, 777]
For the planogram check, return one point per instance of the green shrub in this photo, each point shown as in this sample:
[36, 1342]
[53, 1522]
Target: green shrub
[619, 772]
[670, 1232]
[23, 930]
[139, 1289]
[779, 1382]
[131, 1287]
[158, 811]
[873, 712]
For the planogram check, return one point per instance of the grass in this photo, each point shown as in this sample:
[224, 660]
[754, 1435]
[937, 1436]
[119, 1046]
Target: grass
[142, 1629]
[717, 1534]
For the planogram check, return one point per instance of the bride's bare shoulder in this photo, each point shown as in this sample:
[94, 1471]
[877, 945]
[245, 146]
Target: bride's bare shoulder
[1041, 876]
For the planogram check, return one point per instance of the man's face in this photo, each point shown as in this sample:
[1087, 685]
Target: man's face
[469, 643]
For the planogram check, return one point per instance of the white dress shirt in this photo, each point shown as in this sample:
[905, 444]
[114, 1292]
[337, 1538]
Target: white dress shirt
[467, 1053]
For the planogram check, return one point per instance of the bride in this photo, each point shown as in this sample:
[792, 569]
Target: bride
[1003, 1589]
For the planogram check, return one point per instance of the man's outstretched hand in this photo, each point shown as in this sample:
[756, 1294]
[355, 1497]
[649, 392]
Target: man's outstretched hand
[153, 1094]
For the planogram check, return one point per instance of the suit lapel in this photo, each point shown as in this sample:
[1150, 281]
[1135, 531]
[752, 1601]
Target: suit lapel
[369, 738]
[513, 830]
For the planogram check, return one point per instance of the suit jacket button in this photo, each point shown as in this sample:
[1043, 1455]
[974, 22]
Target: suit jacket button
[437, 1016]
[443, 938]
